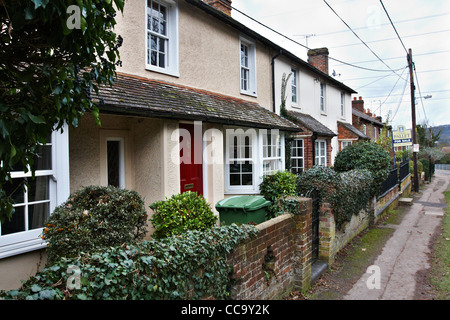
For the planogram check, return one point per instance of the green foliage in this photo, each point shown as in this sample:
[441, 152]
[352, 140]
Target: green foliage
[181, 212]
[276, 186]
[94, 218]
[348, 193]
[365, 155]
[47, 72]
[190, 266]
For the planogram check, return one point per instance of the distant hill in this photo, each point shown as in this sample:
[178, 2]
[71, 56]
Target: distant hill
[444, 138]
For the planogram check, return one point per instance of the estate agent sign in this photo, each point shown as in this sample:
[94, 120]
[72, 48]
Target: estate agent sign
[402, 137]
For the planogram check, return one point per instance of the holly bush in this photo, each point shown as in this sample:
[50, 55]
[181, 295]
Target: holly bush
[365, 155]
[94, 218]
[181, 212]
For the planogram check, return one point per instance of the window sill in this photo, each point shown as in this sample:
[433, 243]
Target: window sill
[171, 73]
[245, 93]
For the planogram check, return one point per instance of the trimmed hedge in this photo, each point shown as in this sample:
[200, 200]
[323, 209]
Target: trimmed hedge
[93, 218]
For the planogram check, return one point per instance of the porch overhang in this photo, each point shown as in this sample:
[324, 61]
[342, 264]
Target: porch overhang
[312, 124]
[136, 96]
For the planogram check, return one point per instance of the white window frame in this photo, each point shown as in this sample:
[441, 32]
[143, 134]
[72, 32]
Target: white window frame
[322, 97]
[247, 66]
[171, 66]
[59, 191]
[258, 157]
[297, 169]
[321, 152]
[294, 87]
[342, 105]
[272, 160]
[345, 144]
[241, 134]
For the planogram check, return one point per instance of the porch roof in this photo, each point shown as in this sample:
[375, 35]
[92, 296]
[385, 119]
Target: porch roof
[312, 124]
[137, 96]
[354, 130]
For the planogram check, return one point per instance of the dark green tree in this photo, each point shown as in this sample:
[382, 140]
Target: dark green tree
[52, 55]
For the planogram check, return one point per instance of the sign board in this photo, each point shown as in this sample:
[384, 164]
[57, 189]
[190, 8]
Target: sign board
[402, 137]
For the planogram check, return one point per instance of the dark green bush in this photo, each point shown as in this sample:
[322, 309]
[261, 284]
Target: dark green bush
[181, 212]
[365, 155]
[348, 193]
[276, 186]
[94, 218]
[189, 266]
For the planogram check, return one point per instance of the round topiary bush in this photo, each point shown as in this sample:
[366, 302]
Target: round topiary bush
[365, 155]
[181, 212]
[94, 218]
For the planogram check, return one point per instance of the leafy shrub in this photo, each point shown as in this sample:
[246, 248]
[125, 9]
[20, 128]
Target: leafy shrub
[365, 155]
[93, 218]
[347, 192]
[181, 212]
[190, 266]
[276, 186]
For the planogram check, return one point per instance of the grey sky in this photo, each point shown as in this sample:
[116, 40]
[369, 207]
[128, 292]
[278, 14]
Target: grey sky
[423, 25]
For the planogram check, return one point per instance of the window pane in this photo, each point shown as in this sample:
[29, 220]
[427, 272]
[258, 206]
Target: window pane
[38, 215]
[235, 179]
[38, 189]
[15, 190]
[247, 179]
[17, 222]
[43, 160]
[235, 167]
[113, 155]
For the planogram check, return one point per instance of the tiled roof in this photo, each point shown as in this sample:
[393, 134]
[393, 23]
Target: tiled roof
[366, 117]
[312, 124]
[351, 128]
[132, 95]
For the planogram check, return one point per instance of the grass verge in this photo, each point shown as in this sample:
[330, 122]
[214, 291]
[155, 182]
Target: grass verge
[440, 265]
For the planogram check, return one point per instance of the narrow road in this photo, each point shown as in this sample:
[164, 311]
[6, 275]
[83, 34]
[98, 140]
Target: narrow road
[393, 274]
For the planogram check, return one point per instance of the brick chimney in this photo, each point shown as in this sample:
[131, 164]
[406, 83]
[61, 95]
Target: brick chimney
[221, 5]
[358, 104]
[319, 59]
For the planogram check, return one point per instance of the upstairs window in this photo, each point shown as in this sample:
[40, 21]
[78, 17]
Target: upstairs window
[322, 97]
[248, 67]
[294, 86]
[162, 37]
[342, 105]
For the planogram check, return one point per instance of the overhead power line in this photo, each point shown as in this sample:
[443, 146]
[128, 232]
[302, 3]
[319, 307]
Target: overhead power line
[395, 29]
[306, 47]
[360, 38]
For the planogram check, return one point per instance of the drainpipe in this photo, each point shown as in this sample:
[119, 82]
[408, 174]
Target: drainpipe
[273, 81]
[313, 141]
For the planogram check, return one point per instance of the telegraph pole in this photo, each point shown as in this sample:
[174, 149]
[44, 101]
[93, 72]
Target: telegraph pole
[413, 117]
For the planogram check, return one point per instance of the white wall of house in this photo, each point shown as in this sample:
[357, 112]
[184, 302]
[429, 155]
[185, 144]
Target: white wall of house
[308, 97]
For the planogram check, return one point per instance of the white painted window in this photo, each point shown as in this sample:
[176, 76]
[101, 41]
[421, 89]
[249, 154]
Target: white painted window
[294, 86]
[297, 156]
[35, 202]
[272, 160]
[342, 105]
[322, 97]
[345, 144]
[248, 66]
[321, 152]
[249, 155]
[162, 36]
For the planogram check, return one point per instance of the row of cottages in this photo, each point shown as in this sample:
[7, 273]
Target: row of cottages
[195, 106]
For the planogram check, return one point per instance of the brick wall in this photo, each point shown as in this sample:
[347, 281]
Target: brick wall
[278, 259]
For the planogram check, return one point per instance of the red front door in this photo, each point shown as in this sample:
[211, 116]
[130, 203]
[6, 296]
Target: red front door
[191, 168]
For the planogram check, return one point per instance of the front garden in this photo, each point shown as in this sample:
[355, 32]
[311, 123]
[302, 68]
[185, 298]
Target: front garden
[95, 247]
